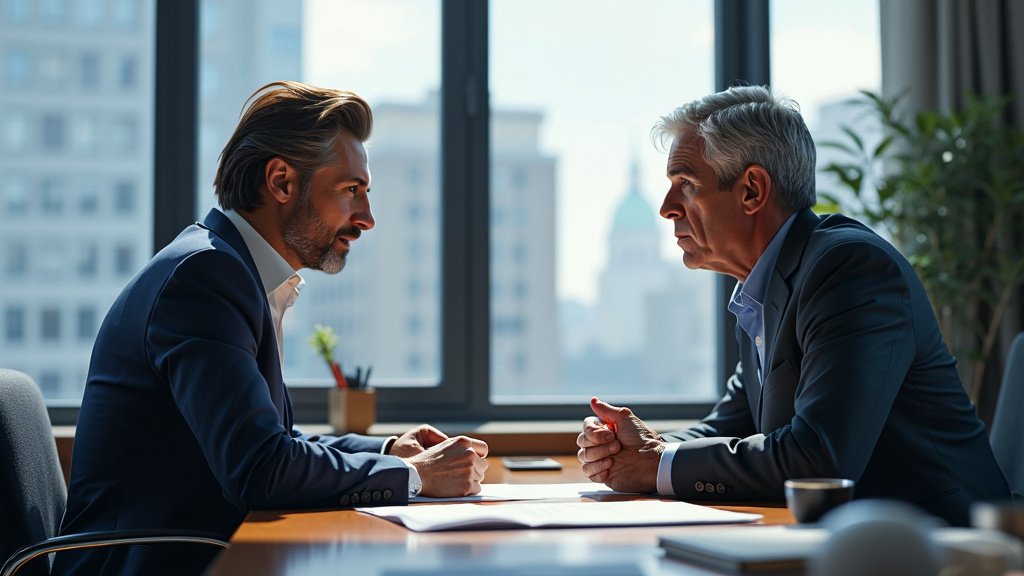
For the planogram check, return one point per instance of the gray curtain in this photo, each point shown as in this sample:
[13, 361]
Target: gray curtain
[941, 51]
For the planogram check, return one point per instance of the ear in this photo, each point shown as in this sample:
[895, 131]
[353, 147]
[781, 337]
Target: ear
[756, 188]
[280, 180]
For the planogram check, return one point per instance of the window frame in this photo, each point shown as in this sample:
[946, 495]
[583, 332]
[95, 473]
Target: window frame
[463, 393]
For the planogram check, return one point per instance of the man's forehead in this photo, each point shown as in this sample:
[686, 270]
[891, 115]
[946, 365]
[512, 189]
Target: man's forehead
[685, 151]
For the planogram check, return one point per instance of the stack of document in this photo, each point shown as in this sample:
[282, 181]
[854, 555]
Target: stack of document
[555, 515]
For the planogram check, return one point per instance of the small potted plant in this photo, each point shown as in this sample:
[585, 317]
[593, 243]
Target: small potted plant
[349, 408]
[324, 340]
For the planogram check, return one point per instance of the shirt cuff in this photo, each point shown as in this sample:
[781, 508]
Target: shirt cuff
[386, 447]
[665, 470]
[415, 484]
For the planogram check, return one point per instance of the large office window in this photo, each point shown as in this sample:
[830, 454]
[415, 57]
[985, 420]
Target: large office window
[846, 59]
[387, 52]
[518, 265]
[588, 291]
[61, 111]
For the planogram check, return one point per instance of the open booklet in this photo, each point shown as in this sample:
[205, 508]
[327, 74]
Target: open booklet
[555, 515]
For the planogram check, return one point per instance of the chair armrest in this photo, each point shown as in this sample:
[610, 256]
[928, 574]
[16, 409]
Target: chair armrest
[106, 538]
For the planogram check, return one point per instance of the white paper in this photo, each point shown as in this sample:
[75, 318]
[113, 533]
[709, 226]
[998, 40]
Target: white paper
[555, 514]
[498, 492]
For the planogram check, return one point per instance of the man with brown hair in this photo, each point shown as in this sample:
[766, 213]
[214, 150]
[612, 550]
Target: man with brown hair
[186, 422]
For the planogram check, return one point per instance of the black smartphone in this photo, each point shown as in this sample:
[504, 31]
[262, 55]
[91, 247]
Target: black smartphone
[531, 463]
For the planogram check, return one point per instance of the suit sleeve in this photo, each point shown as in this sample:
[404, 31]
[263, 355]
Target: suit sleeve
[203, 339]
[854, 332]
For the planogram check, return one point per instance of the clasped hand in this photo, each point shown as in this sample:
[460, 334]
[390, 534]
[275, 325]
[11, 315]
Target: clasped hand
[447, 466]
[619, 449]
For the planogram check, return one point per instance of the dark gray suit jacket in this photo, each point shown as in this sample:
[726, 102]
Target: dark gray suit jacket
[859, 384]
[186, 422]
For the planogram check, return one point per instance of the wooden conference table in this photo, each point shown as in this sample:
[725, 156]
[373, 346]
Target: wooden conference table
[343, 541]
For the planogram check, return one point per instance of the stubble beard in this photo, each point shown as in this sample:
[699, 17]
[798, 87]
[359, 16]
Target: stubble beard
[311, 239]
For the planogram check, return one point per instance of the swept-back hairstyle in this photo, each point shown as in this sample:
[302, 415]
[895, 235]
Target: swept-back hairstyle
[291, 120]
[747, 125]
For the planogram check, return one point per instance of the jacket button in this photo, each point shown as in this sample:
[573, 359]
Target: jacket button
[720, 488]
[387, 494]
[365, 496]
[699, 486]
[376, 495]
[344, 500]
[355, 497]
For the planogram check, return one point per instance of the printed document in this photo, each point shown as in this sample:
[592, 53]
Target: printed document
[555, 515]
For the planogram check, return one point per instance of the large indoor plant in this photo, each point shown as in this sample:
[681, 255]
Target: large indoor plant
[948, 189]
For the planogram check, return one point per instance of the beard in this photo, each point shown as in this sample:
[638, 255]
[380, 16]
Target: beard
[306, 234]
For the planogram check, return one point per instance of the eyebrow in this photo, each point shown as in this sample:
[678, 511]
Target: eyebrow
[681, 169]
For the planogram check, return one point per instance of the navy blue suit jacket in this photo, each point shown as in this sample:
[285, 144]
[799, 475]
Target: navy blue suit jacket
[858, 384]
[186, 421]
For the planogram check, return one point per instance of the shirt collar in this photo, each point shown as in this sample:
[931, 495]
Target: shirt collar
[274, 270]
[756, 286]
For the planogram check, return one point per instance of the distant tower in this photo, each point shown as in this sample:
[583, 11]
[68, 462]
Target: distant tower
[634, 270]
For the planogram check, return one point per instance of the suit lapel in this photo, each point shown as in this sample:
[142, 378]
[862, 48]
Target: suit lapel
[777, 297]
[220, 225]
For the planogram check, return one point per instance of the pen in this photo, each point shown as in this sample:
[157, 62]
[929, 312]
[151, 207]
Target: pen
[359, 380]
[366, 382]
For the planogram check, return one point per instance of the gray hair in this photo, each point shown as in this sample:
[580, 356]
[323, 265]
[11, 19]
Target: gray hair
[747, 125]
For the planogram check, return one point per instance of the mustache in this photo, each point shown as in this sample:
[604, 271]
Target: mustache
[352, 232]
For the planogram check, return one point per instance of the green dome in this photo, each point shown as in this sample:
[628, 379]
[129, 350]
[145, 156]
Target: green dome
[634, 213]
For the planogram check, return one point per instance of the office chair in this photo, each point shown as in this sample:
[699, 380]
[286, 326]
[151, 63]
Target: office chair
[1005, 436]
[32, 491]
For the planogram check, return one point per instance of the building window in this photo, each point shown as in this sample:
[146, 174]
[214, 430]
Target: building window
[124, 260]
[14, 130]
[88, 259]
[124, 134]
[124, 197]
[127, 72]
[90, 68]
[84, 138]
[17, 259]
[14, 324]
[49, 323]
[16, 196]
[51, 196]
[52, 132]
[88, 197]
[87, 324]
[17, 67]
[49, 383]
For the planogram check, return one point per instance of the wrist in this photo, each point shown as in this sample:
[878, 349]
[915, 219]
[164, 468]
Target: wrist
[389, 443]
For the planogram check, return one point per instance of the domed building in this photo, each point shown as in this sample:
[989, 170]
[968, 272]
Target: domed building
[634, 269]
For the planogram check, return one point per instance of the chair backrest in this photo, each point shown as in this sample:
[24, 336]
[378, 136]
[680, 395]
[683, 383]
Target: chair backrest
[1007, 435]
[32, 490]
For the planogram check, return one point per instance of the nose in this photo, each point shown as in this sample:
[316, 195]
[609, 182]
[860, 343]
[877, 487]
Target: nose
[362, 218]
[671, 207]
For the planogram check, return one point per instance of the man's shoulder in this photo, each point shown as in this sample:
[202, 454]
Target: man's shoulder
[836, 229]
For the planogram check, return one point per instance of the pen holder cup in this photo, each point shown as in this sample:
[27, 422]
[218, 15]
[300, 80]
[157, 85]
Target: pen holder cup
[351, 410]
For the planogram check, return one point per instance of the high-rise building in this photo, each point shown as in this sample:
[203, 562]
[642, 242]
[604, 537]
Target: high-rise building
[76, 151]
[243, 45]
[385, 305]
